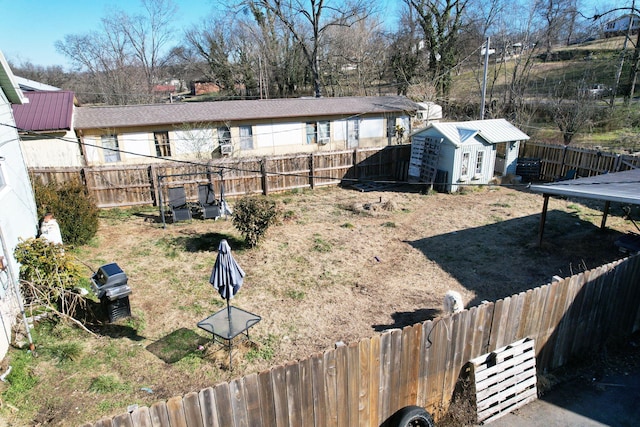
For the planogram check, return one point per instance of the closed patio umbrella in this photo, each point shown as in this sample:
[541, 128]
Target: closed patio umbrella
[227, 275]
[226, 278]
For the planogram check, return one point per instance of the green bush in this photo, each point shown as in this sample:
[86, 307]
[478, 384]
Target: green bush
[252, 216]
[70, 204]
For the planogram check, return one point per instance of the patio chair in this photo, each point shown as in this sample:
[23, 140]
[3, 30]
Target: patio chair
[179, 208]
[208, 206]
[571, 174]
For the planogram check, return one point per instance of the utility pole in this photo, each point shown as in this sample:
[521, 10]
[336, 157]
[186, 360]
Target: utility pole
[622, 54]
[484, 78]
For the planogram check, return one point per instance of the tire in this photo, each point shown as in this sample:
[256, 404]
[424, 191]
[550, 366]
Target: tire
[411, 416]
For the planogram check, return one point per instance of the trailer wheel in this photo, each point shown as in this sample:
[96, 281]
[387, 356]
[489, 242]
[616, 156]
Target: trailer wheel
[411, 416]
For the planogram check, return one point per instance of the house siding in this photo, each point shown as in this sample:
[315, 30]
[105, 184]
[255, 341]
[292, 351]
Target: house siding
[279, 126]
[54, 150]
[270, 137]
[18, 218]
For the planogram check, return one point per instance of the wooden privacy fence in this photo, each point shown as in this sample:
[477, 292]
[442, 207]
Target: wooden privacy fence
[130, 185]
[363, 383]
[556, 160]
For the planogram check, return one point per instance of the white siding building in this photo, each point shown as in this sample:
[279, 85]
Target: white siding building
[147, 133]
[18, 215]
[461, 153]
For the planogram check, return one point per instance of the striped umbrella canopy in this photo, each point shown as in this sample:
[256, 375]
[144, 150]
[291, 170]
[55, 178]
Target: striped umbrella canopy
[227, 275]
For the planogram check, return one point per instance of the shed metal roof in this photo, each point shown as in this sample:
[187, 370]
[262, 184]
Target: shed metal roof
[493, 131]
[46, 111]
[222, 111]
[621, 187]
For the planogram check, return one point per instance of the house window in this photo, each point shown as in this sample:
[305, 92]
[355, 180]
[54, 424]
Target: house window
[479, 161]
[311, 133]
[318, 132]
[163, 146]
[246, 138]
[111, 149]
[464, 171]
[323, 132]
[353, 133]
[224, 135]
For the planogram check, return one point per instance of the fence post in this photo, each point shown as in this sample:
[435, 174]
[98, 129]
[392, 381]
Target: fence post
[312, 174]
[153, 180]
[355, 165]
[265, 181]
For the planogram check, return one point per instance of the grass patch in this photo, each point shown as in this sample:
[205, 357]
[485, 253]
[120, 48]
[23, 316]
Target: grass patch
[22, 377]
[295, 294]
[389, 224]
[347, 225]
[265, 349]
[65, 351]
[320, 245]
[106, 384]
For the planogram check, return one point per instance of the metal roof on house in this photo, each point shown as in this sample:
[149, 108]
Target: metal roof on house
[225, 111]
[46, 111]
[621, 187]
[494, 131]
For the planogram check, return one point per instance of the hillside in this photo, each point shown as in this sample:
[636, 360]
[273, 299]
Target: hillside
[569, 70]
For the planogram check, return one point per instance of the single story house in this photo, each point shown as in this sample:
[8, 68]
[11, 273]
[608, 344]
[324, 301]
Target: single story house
[201, 130]
[620, 26]
[46, 129]
[457, 153]
[18, 214]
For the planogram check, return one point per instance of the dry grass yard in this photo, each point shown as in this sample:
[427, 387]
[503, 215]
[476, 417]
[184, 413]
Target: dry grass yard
[341, 265]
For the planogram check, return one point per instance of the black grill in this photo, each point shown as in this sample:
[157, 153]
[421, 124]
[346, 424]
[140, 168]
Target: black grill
[110, 285]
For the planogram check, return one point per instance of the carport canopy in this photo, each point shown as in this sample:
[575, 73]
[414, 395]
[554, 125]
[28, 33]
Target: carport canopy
[623, 187]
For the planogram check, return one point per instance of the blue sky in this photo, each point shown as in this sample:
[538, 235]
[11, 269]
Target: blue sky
[30, 28]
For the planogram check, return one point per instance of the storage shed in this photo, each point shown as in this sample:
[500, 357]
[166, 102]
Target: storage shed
[451, 154]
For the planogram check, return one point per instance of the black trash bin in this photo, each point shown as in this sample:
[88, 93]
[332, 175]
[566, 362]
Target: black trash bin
[110, 285]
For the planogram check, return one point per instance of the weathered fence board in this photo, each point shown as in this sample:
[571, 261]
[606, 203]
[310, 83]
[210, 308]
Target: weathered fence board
[364, 386]
[267, 404]
[140, 417]
[208, 407]
[306, 394]
[279, 390]
[159, 414]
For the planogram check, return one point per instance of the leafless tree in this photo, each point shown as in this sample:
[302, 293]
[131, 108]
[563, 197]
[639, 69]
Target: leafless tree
[123, 57]
[308, 23]
[573, 109]
[441, 22]
[355, 58]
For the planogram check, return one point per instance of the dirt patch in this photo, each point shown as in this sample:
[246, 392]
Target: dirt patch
[342, 265]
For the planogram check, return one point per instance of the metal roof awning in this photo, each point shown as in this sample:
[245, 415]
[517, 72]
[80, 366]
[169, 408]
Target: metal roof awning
[623, 187]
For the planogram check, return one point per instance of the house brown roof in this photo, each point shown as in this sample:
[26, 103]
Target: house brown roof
[46, 111]
[225, 111]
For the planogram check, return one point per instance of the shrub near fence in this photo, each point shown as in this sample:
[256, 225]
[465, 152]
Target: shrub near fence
[363, 383]
[131, 185]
